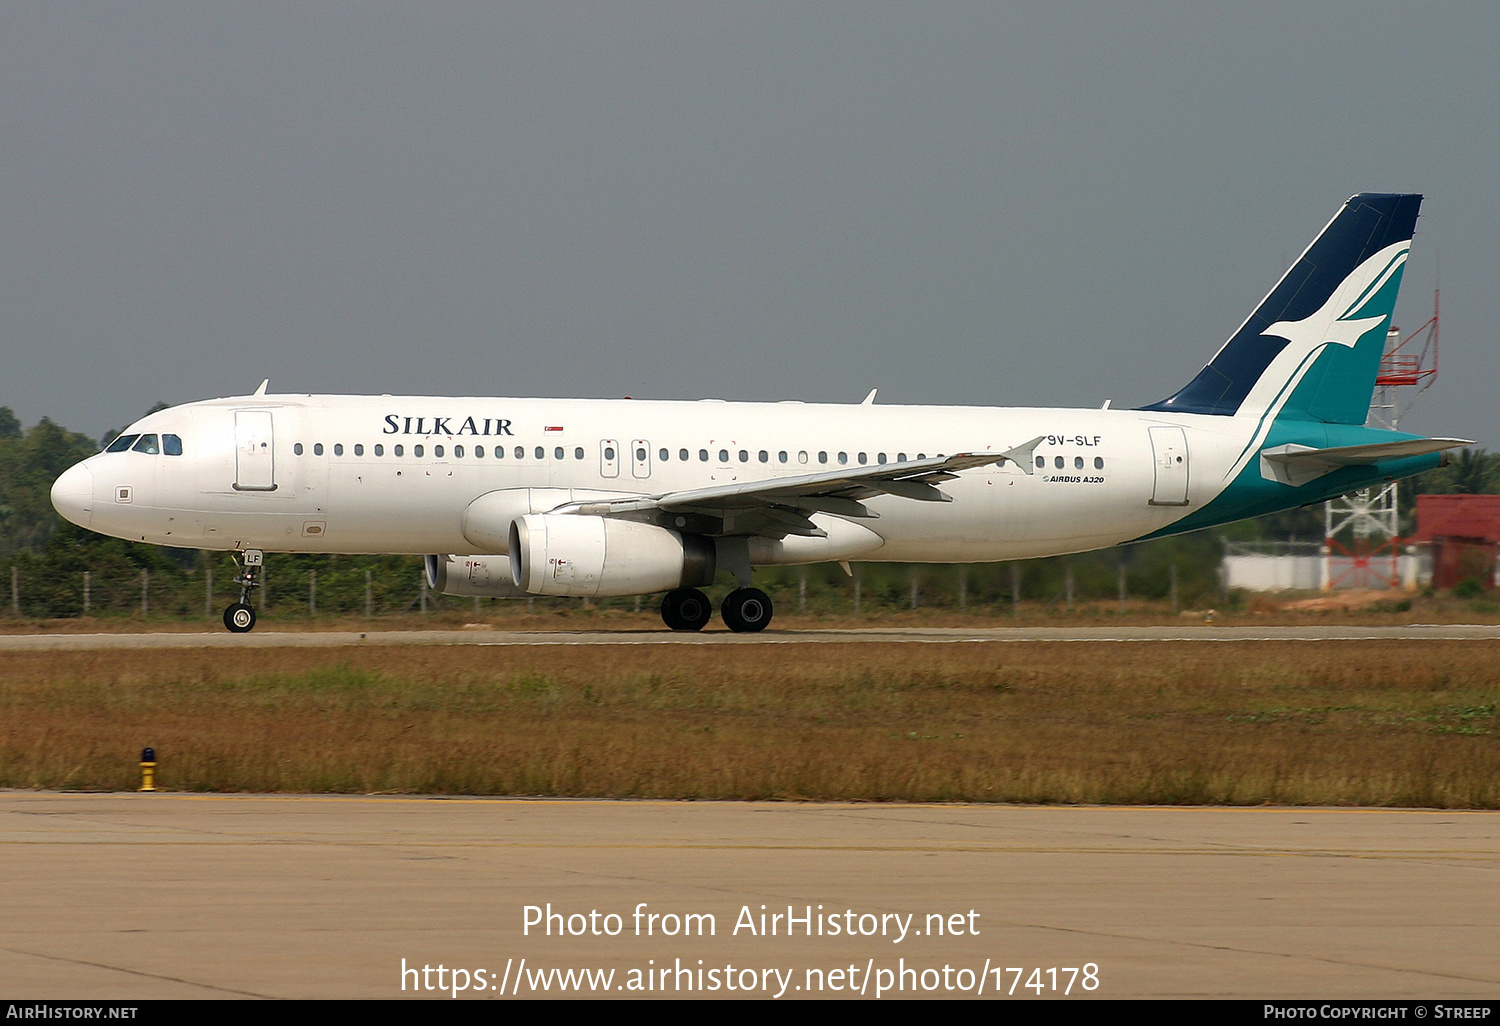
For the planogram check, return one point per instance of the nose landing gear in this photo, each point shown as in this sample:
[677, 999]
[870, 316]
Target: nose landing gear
[240, 616]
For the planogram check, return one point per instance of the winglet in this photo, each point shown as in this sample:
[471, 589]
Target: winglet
[869, 400]
[1021, 455]
[262, 389]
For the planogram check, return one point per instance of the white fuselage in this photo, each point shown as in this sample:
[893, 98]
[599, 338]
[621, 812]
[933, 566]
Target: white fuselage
[398, 473]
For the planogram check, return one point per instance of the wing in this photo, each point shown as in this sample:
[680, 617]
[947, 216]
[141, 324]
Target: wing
[777, 507]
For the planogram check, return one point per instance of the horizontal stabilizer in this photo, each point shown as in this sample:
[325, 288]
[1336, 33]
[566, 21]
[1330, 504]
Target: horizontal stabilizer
[1296, 465]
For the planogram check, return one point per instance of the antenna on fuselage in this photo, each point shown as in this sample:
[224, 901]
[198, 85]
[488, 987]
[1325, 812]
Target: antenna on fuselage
[262, 389]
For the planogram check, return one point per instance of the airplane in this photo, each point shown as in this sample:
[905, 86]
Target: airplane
[587, 497]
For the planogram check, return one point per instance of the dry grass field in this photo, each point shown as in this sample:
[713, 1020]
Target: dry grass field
[1331, 723]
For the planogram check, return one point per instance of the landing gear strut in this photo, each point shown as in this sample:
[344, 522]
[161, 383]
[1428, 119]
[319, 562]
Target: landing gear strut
[746, 610]
[686, 609]
[240, 616]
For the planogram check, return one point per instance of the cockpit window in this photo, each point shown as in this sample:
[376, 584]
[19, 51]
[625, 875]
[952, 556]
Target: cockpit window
[148, 445]
[122, 443]
[171, 445]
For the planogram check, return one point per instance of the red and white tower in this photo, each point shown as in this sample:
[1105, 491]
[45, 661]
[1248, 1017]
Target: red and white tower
[1362, 545]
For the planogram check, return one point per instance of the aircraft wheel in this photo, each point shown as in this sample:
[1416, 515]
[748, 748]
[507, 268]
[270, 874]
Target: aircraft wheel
[239, 618]
[746, 610]
[686, 609]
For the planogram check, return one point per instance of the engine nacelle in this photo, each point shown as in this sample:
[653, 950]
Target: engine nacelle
[486, 521]
[562, 554]
[482, 576]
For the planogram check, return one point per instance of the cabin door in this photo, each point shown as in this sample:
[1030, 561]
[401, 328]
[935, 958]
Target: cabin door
[1170, 456]
[254, 451]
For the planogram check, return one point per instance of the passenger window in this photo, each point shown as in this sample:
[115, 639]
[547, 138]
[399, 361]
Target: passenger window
[921, 455]
[359, 450]
[520, 453]
[822, 457]
[862, 460]
[682, 454]
[764, 456]
[399, 450]
[1077, 462]
[1041, 461]
[558, 453]
[379, 450]
[900, 457]
[1098, 462]
[664, 455]
[171, 445]
[479, 452]
[458, 452]
[843, 457]
[802, 456]
[297, 449]
[417, 451]
[317, 448]
[338, 448]
[781, 456]
[702, 455]
[640, 455]
[1058, 462]
[880, 458]
[122, 443]
[578, 453]
[723, 455]
[609, 452]
[744, 456]
[147, 445]
[437, 450]
[541, 453]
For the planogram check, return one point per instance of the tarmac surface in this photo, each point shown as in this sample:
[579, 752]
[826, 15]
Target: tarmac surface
[931, 635]
[140, 896]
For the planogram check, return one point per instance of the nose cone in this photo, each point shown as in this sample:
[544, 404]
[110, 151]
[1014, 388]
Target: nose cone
[73, 495]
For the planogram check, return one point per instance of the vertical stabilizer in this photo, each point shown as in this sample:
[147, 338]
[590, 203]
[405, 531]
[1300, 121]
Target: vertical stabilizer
[1313, 346]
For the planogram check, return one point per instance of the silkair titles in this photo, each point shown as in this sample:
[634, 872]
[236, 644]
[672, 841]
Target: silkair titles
[395, 424]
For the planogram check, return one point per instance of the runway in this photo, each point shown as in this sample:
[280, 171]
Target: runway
[928, 635]
[170, 895]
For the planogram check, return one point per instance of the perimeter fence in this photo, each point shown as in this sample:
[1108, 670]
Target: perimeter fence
[179, 584]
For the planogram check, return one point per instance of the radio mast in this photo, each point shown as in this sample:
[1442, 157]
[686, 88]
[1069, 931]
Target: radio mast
[1372, 555]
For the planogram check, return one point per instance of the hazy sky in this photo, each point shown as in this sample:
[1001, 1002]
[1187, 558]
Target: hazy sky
[1046, 204]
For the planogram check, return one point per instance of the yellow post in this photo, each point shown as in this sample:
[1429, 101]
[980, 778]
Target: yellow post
[148, 769]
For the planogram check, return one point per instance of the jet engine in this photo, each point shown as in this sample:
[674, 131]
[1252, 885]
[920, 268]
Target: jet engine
[484, 576]
[564, 554]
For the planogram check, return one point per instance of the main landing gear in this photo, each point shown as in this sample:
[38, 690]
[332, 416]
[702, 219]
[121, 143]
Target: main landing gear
[686, 609]
[745, 610]
[240, 616]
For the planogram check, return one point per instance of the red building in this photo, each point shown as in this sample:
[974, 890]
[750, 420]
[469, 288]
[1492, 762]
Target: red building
[1464, 532]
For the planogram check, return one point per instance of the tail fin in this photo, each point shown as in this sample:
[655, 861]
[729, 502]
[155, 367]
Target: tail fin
[1313, 346]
